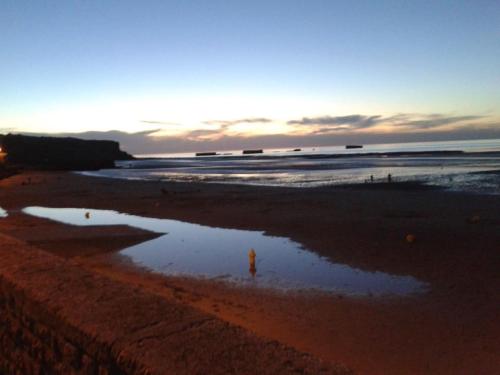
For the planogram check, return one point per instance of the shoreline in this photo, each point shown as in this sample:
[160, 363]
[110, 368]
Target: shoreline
[379, 183]
[362, 226]
[460, 171]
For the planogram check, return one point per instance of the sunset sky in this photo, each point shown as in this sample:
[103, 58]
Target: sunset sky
[197, 75]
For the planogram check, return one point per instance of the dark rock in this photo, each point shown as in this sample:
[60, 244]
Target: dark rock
[61, 153]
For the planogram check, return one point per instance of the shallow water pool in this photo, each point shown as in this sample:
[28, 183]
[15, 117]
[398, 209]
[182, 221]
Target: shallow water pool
[188, 249]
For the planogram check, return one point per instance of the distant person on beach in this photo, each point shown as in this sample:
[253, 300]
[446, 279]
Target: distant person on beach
[371, 178]
[389, 178]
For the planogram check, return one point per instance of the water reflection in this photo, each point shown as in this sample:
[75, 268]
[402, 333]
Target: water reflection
[196, 250]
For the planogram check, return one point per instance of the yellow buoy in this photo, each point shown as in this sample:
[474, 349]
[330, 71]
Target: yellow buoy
[251, 260]
[475, 219]
[410, 238]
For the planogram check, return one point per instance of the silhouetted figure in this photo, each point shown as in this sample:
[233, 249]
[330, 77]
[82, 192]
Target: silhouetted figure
[371, 178]
[87, 215]
[389, 178]
[251, 260]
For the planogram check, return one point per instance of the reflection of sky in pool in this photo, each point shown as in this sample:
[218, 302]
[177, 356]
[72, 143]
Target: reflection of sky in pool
[196, 250]
[3, 213]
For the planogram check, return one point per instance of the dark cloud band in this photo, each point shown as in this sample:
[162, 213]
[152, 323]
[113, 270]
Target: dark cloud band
[226, 123]
[340, 122]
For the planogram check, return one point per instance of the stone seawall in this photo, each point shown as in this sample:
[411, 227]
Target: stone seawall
[57, 318]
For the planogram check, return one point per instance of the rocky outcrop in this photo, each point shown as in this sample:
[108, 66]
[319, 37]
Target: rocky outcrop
[61, 153]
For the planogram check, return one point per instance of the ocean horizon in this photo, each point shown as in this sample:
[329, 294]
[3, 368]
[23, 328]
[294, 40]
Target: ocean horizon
[455, 165]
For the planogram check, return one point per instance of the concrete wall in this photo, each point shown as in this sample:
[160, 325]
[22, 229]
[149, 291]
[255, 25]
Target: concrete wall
[56, 318]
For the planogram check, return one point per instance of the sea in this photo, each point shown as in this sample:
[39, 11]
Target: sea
[471, 166]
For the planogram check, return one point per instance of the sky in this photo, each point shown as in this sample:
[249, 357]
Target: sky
[172, 76]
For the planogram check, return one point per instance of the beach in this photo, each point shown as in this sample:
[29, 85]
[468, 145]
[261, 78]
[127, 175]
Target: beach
[451, 327]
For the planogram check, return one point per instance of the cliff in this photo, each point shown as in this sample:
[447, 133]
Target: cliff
[61, 153]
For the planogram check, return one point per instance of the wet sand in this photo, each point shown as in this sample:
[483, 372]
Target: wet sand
[452, 329]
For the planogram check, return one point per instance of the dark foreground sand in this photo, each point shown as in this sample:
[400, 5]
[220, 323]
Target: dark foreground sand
[452, 329]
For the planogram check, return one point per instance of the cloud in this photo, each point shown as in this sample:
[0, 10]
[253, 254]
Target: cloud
[401, 121]
[326, 130]
[226, 123]
[111, 134]
[336, 123]
[315, 131]
[155, 122]
[431, 121]
[7, 130]
[203, 134]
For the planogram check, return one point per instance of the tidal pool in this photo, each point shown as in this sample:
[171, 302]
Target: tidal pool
[186, 249]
